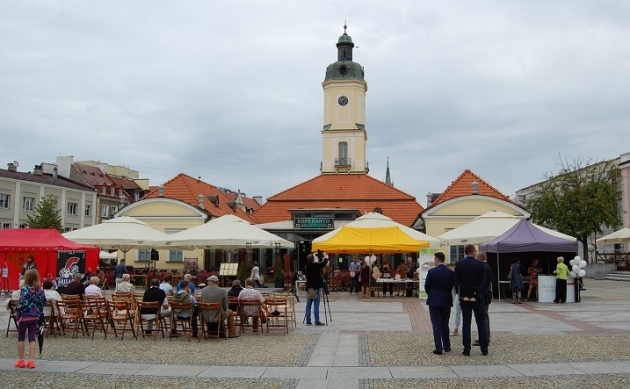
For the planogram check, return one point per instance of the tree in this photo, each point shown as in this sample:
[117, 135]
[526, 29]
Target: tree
[46, 216]
[580, 200]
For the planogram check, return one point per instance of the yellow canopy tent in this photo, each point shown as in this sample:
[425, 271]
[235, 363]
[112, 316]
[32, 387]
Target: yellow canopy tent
[373, 233]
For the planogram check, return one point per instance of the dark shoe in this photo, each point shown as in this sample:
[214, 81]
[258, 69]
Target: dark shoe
[319, 323]
[308, 323]
[275, 313]
[466, 354]
[437, 352]
[484, 354]
[476, 343]
[194, 335]
[447, 350]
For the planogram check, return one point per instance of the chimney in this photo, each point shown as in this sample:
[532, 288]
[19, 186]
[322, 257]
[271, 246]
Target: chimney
[37, 170]
[429, 196]
[475, 187]
[258, 199]
[55, 172]
[200, 199]
[161, 191]
[12, 166]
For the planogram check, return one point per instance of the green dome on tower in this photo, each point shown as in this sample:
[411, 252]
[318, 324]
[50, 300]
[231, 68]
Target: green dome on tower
[345, 68]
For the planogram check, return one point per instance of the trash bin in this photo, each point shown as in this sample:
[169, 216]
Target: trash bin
[599, 271]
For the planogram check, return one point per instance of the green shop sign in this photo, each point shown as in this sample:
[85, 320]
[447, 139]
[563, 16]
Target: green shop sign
[314, 222]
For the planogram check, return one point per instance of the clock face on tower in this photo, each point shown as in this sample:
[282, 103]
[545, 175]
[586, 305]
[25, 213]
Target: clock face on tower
[343, 100]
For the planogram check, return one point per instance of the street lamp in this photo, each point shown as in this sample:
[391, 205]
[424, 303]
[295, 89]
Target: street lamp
[248, 246]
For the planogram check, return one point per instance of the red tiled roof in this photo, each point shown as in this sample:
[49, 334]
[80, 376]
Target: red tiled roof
[125, 183]
[92, 175]
[187, 189]
[347, 191]
[462, 186]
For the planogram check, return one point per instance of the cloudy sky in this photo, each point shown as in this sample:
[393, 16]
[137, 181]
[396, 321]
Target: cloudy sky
[231, 91]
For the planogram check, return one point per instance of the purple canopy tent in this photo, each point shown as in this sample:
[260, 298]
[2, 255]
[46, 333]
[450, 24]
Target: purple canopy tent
[525, 237]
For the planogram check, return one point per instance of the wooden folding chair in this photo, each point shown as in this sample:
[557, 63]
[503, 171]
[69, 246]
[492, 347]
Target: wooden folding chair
[94, 313]
[51, 318]
[211, 329]
[12, 317]
[290, 308]
[277, 317]
[178, 322]
[152, 306]
[119, 314]
[251, 309]
[68, 313]
[234, 307]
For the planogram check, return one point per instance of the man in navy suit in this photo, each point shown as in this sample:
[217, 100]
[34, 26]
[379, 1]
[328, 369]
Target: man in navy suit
[438, 285]
[471, 282]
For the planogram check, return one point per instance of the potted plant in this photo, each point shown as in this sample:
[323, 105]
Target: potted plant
[279, 275]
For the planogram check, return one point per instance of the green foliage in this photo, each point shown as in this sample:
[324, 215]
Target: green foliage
[241, 274]
[278, 271]
[46, 216]
[580, 200]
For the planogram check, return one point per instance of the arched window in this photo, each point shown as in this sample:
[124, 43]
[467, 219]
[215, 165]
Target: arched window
[343, 153]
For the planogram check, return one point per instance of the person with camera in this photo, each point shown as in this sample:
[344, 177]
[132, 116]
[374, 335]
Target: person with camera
[314, 285]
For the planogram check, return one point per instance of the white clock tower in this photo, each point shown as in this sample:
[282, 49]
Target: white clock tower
[344, 135]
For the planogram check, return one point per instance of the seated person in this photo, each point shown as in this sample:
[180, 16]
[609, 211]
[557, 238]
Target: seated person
[234, 292]
[15, 295]
[125, 286]
[184, 296]
[87, 276]
[154, 293]
[76, 286]
[101, 276]
[187, 277]
[213, 294]
[92, 289]
[51, 295]
[249, 293]
[166, 285]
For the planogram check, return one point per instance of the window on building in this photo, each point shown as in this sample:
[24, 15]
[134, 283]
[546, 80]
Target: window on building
[88, 209]
[175, 255]
[28, 203]
[111, 191]
[6, 226]
[24, 225]
[113, 209]
[73, 208]
[456, 253]
[144, 255]
[5, 199]
[105, 211]
[103, 190]
[343, 153]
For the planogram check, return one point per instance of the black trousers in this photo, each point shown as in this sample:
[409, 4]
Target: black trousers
[439, 321]
[388, 285]
[478, 308]
[561, 291]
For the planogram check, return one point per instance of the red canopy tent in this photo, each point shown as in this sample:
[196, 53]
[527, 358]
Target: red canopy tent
[50, 250]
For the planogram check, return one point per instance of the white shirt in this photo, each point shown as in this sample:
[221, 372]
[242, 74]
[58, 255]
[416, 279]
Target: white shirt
[255, 273]
[93, 290]
[166, 287]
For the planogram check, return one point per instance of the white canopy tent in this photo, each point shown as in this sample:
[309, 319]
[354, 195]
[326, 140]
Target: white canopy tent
[487, 227]
[619, 237]
[227, 231]
[122, 233]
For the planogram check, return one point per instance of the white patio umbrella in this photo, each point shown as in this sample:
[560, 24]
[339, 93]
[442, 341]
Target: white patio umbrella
[482, 229]
[122, 233]
[621, 236]
[227, 231]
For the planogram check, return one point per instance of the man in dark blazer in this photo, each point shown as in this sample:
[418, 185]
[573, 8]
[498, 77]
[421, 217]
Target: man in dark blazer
[439, 285]
[471, 282]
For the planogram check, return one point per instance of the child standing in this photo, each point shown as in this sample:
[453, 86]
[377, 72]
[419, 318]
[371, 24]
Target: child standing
[29, 308]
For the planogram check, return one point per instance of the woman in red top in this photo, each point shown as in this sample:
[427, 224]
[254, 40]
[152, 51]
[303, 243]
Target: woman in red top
[533, 271]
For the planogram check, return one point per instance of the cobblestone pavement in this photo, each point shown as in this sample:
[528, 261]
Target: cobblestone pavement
[367, 343]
